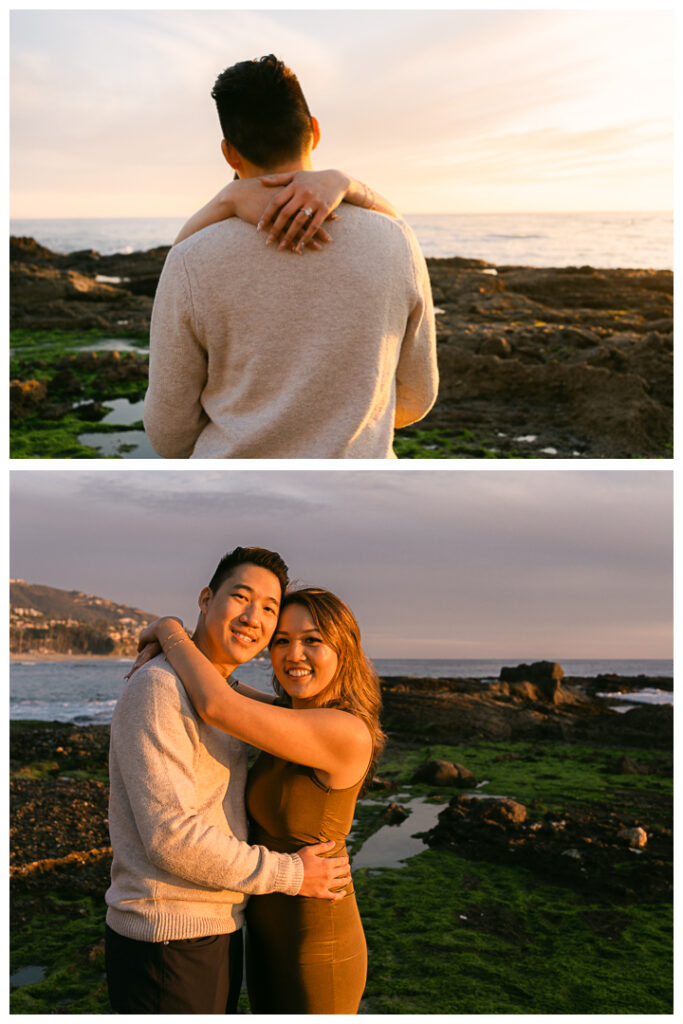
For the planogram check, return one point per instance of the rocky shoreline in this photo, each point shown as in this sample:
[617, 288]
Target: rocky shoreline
[584, 803]
[529, 702]
[569, 362]
[58, 770]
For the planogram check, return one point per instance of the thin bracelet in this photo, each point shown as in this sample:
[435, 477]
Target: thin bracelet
[177, 633]
[179, 641]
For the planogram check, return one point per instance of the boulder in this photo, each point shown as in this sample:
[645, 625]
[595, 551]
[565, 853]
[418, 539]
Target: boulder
[25, 396]
[444, 773]
[636, 838]
[496, 346]
[502, 812]
[394, 814]
[41, 285]
[540, 682]
[627, 766]
[539, 672]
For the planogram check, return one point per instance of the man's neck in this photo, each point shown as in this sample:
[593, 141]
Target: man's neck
[216, 658]
[301, 163]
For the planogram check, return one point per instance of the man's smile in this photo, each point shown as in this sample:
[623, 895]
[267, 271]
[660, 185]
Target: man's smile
[242, 637]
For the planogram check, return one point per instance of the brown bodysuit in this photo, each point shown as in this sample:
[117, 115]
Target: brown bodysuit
[304, 955]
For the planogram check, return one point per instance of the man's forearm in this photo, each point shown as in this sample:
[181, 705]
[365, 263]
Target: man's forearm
[186, 847]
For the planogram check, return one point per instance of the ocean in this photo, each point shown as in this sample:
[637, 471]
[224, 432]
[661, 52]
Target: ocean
[85, 691]
[629, 239]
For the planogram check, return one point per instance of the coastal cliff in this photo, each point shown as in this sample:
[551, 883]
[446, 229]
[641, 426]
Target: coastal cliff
[47, 620]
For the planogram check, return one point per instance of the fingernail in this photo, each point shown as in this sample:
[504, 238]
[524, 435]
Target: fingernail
[259, 226]
[269, 239]
[282, 244]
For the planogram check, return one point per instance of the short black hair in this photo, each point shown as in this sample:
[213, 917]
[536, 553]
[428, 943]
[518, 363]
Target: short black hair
[262, 111]
[250, 556]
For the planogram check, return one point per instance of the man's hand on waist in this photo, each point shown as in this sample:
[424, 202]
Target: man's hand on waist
[322, 874]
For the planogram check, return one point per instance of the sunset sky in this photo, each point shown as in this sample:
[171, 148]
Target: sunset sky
[435, 564]
[443, 111]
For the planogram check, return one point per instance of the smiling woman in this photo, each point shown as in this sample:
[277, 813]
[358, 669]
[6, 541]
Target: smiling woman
[300, 655]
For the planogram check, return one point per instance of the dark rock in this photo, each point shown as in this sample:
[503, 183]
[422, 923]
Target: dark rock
[378, 783]
[539, 683]
[25, 396]
[587, 850]
[394, 814]
[444, 773]
[503, 812]
[581, 358]
[635, 838]
[540, 672]
[27, 250]
[496, 346]
[460, 710]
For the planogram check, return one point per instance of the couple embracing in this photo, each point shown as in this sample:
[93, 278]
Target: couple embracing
[200, 844]
[257, 353]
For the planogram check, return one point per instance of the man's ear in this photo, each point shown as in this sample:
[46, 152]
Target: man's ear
[316, 132]
[204, 598]
[231, 155]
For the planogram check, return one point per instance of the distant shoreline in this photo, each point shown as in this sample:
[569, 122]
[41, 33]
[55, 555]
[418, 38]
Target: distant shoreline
[69, 657]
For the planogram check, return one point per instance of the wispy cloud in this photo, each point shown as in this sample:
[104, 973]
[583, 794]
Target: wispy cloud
[116, 104]
[433, 563]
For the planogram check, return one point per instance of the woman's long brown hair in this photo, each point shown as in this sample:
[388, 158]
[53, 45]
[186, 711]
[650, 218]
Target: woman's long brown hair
[355, 687]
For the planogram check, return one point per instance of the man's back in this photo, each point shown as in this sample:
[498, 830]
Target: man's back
[257, 353]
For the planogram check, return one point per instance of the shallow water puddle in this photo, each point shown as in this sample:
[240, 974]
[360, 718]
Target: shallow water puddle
[116, 444]
[112, 345]
[393, 844]
[123, 410]
[27, 976]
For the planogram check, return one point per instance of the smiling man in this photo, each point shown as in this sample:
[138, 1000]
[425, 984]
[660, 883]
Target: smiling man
[182, 869]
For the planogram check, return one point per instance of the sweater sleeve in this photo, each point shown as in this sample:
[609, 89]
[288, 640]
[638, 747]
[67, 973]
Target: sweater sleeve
[173, 414]
[417, 375]
[155, 738]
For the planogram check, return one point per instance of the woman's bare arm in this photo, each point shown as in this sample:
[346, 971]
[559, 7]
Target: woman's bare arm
[328, 739]
[296, 213]
[306, 200]
[254, 694]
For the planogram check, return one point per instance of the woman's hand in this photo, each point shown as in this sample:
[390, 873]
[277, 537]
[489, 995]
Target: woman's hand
[154, 631]
[148, 652]
[151, 636]
[305, 200]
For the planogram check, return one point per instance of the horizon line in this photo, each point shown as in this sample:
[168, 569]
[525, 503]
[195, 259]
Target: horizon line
[431, 213]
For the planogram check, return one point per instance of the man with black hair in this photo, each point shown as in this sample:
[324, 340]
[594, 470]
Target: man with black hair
[256, 354]
[182, 869]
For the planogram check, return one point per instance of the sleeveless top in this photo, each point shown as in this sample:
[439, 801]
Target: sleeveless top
[289, 807]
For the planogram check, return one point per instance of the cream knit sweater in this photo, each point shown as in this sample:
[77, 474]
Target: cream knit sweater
[177, 819]
[256, 353]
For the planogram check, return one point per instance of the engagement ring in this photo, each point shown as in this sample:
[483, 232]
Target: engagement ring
[308, 211]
